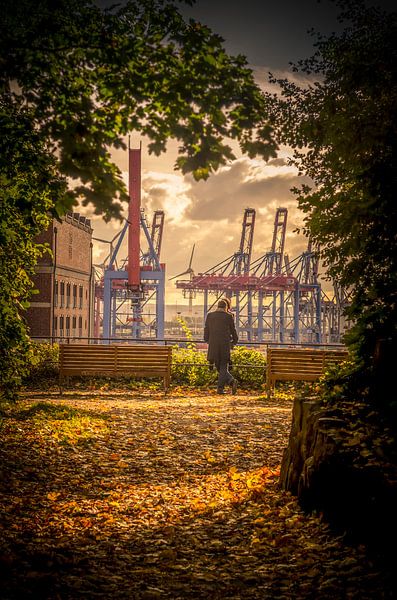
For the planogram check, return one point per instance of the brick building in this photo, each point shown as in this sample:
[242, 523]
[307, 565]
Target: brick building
[64, 305]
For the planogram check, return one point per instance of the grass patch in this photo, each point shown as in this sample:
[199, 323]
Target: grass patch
[61, 423]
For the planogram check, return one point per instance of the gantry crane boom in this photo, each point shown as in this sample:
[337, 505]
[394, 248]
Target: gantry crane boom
[156, 233]
[310, 265]
[271, 263]
[243, 257]
[278, 242]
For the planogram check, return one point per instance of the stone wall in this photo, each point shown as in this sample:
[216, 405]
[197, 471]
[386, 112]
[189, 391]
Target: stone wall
[330, 470]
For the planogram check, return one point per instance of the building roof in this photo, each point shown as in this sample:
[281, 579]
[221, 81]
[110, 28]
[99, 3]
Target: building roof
[78, 220]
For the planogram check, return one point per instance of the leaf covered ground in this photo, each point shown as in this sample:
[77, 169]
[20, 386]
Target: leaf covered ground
[119, 495]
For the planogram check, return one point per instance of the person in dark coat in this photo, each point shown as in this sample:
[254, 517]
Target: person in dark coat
[220, 334]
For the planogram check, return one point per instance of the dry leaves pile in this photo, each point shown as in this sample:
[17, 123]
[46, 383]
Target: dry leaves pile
[132, 496]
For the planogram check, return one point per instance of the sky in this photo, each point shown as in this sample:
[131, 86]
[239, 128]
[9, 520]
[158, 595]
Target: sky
[209, 214]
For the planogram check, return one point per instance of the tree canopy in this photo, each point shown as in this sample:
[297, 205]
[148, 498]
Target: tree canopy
[343, 127]
[90, 76]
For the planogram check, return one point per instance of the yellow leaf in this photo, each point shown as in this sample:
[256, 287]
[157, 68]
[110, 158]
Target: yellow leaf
[209, 456]
[252, 482]
[53, 495]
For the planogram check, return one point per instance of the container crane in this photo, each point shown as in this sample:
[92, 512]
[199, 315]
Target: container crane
[286, 294]
[271, 262]
[141, 275]
[270, 318]
[225, 277]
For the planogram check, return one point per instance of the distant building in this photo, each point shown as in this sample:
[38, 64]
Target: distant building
[64, 305]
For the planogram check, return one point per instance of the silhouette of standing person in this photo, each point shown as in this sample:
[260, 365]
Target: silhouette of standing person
[220, 334]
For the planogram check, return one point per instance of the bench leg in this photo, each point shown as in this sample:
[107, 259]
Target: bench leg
[270, 386]
[167, 382]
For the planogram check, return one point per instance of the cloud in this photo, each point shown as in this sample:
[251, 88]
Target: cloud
[262, 74]
[277, 162]
[243, 184]
[166, 191]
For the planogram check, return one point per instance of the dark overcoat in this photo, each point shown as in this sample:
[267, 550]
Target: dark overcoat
[219, 333]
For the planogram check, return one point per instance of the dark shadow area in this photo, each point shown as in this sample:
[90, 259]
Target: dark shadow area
[207, 556]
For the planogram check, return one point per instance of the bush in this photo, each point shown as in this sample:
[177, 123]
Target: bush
[249, 367]
[44, 362]
[190, 367]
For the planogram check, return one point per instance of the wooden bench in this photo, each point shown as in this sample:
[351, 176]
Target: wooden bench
[115, 360]
[299, 364]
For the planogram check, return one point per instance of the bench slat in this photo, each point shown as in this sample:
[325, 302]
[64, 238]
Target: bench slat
[142, 361]
[299, 364]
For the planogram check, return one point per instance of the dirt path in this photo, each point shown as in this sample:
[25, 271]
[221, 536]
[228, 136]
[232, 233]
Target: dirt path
[145, 497]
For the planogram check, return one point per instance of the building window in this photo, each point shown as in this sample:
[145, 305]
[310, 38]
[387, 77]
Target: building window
[80, 296]
[80, 326]
[61, 322]
[55, 325]
[74, 295]
[74, 320]
[56, 294]
[67, 295]
[67, 326]
[62, 294]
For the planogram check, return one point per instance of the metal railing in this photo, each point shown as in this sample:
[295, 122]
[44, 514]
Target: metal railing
[178, 341]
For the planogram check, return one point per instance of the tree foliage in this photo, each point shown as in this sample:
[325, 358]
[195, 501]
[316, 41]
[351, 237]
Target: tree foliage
[28, 184]
[343, 127]
[90, 76]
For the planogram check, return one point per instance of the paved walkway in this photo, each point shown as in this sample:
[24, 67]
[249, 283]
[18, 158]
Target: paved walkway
[145, 497]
